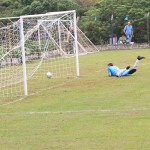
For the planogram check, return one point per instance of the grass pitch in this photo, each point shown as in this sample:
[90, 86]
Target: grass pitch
[92, 112]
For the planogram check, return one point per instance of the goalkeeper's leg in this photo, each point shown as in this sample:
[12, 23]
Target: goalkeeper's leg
[136, 64]
[122, 71]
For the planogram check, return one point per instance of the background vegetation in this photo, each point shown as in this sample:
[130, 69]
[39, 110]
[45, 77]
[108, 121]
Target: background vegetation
[94, 14]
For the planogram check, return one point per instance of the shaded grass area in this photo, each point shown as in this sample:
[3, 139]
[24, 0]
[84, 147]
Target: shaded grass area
[93, 111]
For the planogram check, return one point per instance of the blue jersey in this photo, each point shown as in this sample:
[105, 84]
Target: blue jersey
[114, 70]
[128, 29]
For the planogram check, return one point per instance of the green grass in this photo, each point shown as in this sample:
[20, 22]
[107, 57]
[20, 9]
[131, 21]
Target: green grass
[92, 112]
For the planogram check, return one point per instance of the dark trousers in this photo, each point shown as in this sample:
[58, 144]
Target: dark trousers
[132, 71]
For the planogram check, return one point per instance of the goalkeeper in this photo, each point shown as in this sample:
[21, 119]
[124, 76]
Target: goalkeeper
[116, 71]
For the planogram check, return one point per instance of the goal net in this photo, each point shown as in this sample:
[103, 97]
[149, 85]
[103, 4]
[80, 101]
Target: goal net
[31, 46]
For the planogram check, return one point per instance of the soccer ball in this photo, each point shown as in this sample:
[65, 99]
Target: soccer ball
[49, 74]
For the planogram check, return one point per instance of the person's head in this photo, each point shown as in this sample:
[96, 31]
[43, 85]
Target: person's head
[110, 64]
[122, 36]
[129, 23]
[71, 28]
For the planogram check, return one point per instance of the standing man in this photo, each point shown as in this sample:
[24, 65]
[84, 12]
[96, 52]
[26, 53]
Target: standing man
[128, 30]
[71, 40]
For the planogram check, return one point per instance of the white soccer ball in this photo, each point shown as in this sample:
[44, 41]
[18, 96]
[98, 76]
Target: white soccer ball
[49, 74]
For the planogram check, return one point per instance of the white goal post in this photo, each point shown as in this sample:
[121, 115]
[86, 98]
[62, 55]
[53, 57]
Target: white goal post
[32, 45]
[61, 15]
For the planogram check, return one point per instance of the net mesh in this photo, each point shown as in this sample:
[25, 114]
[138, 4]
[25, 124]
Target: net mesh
[49, 47]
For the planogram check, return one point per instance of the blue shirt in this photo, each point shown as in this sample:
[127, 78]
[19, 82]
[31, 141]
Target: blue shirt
[114, 70]
[128, 29]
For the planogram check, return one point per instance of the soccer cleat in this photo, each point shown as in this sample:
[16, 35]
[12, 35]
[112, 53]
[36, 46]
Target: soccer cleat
[140, 57]
[127, 67]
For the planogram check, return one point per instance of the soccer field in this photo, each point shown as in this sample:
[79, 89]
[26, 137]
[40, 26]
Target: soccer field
[91, 112]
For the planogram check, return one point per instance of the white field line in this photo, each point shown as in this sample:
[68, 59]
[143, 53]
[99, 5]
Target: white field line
[73, 112]
[15, 101]
[37, 93]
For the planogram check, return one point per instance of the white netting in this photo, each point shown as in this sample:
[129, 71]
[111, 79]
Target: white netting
[10, 60]
[50, 46]
[47, 46]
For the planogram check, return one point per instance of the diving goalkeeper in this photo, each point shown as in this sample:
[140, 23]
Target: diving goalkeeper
[116, 71]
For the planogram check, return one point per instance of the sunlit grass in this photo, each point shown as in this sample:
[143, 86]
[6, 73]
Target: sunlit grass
[91, 112]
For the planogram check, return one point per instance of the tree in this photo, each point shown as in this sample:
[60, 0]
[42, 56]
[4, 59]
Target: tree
[135, 9]
[36, 8]
[26, 2]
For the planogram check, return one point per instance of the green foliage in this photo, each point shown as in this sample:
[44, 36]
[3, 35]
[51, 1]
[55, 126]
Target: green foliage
[7, 7]
[98, 30]
[26, 7]
[136, 11]
[26, 2]
[6, 3]
[36, 8]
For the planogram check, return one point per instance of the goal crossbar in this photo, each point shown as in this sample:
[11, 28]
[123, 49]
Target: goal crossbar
[32, 45]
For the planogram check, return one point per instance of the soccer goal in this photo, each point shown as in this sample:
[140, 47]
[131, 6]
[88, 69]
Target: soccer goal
[31, 46]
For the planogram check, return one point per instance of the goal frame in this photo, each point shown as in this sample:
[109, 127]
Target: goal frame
[22, 41]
